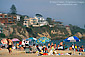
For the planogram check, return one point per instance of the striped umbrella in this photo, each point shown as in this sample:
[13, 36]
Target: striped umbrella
[72, 39]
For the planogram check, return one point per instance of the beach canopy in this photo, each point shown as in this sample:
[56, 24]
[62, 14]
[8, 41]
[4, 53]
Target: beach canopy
[15, 39]
[42, 40]
[31, 39]
[72, 39]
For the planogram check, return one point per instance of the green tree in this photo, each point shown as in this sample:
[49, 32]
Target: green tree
[13, 9]
[2, 35]
[21, 20]
[49, 20]
[38, 15]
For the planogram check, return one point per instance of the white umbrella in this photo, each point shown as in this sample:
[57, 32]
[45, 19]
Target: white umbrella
[72, 39]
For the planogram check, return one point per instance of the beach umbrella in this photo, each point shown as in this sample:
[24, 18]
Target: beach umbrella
[72, 39]
[31, 39]
[4, 41]
[42, 40]
[15, 39]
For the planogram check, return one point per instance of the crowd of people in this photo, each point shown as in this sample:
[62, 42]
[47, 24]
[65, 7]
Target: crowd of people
[41, 49]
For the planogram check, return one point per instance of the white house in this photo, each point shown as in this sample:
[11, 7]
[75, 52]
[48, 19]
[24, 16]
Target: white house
[41, 21]
[18, 17]
[26, 21]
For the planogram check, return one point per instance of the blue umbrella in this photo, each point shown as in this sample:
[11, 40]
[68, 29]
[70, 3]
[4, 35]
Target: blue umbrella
[72, 39]
[42, 40]
[31, 39]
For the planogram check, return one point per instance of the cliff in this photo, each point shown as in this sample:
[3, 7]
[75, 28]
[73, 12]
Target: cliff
[15, 31]
[21, 32]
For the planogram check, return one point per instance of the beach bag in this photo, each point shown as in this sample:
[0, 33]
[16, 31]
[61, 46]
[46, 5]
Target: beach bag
[10, 48]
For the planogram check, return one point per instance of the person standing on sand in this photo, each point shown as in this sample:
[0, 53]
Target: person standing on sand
[55, 45]
[48, 47]
[10, 43]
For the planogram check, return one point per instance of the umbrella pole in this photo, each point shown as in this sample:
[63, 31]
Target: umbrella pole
[32, 43]
[74, 48]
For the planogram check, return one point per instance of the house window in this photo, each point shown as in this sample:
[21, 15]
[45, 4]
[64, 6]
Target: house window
[34, 19]
[39, 21]
[5, 16]
[25, 25]
[1, 16]
[18, 19]
[9, 15]
[25, 22]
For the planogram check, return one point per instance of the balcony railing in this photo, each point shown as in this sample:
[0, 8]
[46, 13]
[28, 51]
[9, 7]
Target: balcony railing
[9, 17]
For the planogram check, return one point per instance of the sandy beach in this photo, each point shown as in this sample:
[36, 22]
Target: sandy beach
[15, 53]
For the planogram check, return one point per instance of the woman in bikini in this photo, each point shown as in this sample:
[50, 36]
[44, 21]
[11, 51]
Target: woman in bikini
[10, 43]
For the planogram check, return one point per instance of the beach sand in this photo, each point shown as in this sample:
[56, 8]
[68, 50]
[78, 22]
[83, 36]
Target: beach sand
[15, 53]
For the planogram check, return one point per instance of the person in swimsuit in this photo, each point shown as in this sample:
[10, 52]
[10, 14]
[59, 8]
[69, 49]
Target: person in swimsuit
[10, 43]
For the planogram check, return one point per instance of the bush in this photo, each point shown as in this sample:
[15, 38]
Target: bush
[2, 35]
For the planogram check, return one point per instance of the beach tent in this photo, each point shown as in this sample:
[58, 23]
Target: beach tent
[42, 40]
[72, 39]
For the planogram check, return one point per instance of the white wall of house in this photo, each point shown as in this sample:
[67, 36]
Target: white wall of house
[41, 21]
[33, 21]
[18, 17]
[26, 23]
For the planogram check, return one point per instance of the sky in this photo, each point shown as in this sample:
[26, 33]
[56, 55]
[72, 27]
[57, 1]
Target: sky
[66, 11]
